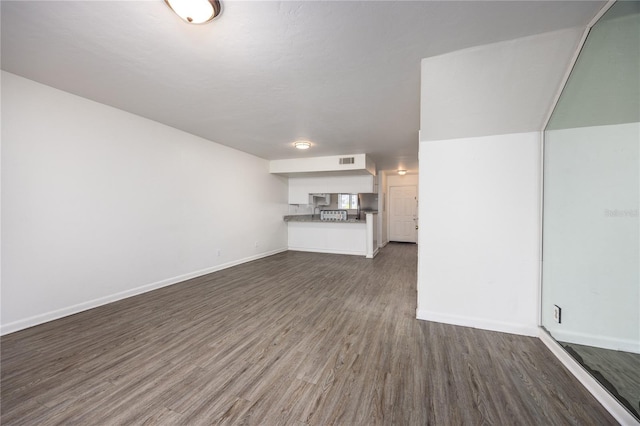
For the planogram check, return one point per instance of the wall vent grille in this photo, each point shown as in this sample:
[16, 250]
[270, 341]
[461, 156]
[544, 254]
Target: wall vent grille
[347, 160]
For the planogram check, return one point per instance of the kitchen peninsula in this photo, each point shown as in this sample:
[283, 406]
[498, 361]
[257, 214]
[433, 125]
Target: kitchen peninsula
[343, 188]
[351, 236]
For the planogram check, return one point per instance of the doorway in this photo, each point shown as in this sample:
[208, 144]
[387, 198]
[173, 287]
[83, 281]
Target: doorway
[403, 214]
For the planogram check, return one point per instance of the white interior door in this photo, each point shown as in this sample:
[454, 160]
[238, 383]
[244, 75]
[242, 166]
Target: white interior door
[403, 220]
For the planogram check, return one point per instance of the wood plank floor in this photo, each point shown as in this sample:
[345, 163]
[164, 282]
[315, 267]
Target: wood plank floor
[296, 338]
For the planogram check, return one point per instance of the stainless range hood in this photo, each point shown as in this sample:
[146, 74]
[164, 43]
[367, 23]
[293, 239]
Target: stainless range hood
[320, 199]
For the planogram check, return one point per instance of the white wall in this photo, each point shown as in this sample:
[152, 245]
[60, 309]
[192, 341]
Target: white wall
[482, 110]
[479, 232]
[494, 89]
[99, 204]
[406, 180]
[592, 235]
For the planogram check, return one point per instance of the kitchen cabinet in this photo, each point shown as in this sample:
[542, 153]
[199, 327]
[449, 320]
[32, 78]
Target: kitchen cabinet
[337, 237]
[328, 237]
[301, 187]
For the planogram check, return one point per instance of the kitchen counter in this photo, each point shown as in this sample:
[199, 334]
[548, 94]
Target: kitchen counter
[351, 236]
[316, 218]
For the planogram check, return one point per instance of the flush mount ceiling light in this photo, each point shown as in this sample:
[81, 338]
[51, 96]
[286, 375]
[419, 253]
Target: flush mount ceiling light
[302, 144]
[402, 172]
[195, 11]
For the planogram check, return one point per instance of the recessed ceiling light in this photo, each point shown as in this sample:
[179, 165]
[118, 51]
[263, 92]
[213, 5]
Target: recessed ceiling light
[302, 144]
[195, 11]
[402, 172]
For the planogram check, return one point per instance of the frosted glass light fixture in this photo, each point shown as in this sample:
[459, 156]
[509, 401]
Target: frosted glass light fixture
[302, 144]
[402, 172]
[195, 11]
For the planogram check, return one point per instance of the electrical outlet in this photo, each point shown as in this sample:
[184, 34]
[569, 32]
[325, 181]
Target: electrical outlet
[219, 252]
[557, 314]
[257, 244]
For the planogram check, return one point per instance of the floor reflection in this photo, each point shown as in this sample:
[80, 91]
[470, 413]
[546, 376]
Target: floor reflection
[617, 371]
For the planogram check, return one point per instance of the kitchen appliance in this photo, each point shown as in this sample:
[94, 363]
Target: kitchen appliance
[333, 215]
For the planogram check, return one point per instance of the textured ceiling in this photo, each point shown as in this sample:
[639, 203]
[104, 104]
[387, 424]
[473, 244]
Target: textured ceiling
[343, 74]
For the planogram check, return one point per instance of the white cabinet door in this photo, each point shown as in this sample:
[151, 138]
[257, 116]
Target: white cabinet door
[298, 195]
[300, 188]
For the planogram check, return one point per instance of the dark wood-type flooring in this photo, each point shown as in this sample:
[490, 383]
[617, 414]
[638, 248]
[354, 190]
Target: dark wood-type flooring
[296, 338]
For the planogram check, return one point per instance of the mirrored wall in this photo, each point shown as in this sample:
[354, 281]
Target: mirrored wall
[591, 232]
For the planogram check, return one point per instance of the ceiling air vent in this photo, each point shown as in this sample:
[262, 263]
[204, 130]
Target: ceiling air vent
[347, 160]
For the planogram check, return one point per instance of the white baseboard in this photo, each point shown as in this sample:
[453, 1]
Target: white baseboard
[597, 341]
[90, 304]
[592, 385]
[481, 323]
[375, 253]
[327, 251]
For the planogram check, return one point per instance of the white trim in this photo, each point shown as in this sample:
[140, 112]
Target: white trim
[327, 251]
[374, 254]
[592, 385]
[74, 309]
[602, 11]
[481, 323]
[371, 230]
[541, 230]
